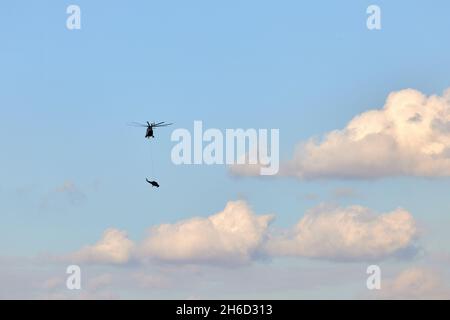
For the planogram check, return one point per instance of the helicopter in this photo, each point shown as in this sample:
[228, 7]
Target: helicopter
[150, 126]
[153, 183]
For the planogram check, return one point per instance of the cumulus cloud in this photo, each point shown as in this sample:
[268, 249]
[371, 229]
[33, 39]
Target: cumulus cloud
[351, 233]
[113, 248]
[409, 136]
[415, 283]
[233, 235]
[236, 235]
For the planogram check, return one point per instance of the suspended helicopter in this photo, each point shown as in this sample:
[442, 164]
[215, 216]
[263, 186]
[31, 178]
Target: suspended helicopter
[153, 183]
[150, 126]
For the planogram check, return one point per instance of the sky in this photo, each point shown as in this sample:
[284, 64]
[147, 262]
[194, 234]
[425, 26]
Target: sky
[363, 119]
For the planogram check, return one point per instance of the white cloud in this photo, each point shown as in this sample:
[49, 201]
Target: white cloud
[415, 283]
[409, 136]
[114, 248]
[237, 236]
[351, 233]
[233, 235]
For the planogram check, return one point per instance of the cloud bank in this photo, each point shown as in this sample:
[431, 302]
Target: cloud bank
[237, 236]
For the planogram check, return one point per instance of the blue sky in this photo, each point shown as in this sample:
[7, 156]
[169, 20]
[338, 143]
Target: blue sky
[305, 69]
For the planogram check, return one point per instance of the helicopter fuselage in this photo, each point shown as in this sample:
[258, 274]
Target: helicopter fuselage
[149, 133]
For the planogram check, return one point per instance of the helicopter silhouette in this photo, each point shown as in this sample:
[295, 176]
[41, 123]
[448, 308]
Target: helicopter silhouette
[150, 126]
[153, 183]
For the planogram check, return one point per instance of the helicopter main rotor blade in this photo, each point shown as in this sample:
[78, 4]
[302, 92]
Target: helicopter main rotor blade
[137, 124]
[163, 125]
